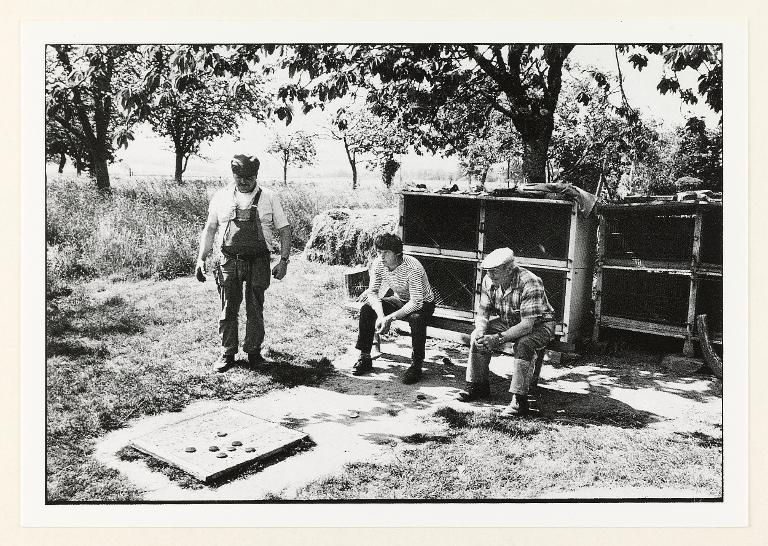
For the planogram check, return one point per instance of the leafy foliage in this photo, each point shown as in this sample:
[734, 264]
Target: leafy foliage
[81, 119]
[192, 104]
[370, 137]
[705, 59]
[297, 149]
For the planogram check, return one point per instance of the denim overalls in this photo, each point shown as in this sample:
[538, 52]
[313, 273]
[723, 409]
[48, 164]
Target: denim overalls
[245, 259]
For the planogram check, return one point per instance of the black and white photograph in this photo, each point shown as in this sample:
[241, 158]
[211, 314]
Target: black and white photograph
[488, 272]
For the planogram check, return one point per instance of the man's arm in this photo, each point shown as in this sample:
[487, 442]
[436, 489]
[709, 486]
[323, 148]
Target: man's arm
[206, 244]
[372, 294]
[525, 326]
[281, 268]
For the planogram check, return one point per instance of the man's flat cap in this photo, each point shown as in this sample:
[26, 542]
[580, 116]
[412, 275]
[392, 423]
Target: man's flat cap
[245, 165]
[498, 257]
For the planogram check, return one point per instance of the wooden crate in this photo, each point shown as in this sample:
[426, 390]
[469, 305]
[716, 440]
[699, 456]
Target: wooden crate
[659, 266]
[548, 236]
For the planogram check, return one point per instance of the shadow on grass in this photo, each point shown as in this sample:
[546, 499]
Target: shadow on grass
[701, 439]
[637, 371]
[520, 428]
[286, 372]
[593, 408]
[85, 318]
[74, 348]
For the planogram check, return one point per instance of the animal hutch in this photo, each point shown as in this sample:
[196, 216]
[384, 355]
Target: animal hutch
[660, 266]
[450, 234]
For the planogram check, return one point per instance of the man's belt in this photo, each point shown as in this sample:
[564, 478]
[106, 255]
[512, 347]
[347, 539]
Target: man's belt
[245, 257]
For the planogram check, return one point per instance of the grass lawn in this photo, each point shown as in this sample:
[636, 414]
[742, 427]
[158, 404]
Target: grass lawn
[483, 456]
[118, 351]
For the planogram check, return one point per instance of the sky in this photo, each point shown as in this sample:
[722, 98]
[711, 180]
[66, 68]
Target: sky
[151, 155]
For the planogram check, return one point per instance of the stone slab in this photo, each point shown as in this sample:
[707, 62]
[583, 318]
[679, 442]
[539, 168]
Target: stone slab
[244, 439]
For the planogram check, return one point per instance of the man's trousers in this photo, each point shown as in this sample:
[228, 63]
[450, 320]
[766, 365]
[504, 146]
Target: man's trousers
[524, 353]
[417, 321]
[230, 275]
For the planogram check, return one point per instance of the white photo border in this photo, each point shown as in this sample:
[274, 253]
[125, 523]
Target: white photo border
[731, 512]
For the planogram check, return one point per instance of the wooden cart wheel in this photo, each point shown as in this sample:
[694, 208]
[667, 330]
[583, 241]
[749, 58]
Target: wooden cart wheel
[714, 362]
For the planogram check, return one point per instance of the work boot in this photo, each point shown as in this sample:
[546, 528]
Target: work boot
[224, 363]
[518, 406]
[363, 365]
[412, 374]
[475, 391]
[255, 360]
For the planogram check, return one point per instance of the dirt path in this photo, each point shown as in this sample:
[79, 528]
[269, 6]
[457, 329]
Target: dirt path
[354, 419]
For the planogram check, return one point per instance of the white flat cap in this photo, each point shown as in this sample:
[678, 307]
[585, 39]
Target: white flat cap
[498, 257]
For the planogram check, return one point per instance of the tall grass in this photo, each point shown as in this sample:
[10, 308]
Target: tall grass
[149, 227]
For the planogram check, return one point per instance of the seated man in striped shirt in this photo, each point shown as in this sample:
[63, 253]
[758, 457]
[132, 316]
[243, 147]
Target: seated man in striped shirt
[524, 316]
[413, 300]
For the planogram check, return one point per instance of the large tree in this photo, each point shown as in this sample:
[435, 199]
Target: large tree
[195, 106]
[297, 149]
[81, 83]
[598, 136]
[369, 138]
[521, 81]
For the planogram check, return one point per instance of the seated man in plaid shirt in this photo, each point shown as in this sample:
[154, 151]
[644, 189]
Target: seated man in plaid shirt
[525, 316]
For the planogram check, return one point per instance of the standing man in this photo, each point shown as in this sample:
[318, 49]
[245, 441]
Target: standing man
[413, 300]
[245, 217]
[525, 316]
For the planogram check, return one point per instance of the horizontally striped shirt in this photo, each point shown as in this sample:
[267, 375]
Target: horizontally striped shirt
[525, 298]
[408, 281]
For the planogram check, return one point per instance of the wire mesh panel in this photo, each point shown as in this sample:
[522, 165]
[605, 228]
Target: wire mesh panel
[452, 280]
[649, 235]
[653, 297]
[554, 282]
[712, 237]
[441, 222]
[356, 281]
[709, 301]
[530, 229]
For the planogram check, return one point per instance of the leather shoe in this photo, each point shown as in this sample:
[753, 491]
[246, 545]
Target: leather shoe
[255, 360]
[475, 391]
[224, 363]
[518, 406]
[412, 374]
[363, 365]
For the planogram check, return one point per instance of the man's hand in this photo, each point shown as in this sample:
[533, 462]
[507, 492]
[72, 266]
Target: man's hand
[280, 269]
[363, 296]
[482, 340]
[200, 270]
[383, 324]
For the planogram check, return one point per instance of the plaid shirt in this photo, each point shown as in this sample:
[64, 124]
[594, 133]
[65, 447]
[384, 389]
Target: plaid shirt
[525, 298]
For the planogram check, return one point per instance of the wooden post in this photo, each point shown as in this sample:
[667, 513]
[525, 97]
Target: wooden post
[601, 237]
[691, 319]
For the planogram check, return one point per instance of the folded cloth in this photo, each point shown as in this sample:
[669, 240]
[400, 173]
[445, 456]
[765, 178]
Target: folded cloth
[585, 200]
[694, 195]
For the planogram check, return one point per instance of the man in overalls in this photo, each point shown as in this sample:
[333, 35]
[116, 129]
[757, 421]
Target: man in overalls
[245, 217]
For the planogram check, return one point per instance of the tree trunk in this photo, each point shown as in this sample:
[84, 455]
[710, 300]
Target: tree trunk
[101, 174]
[352, 162]
[62, 162]
[484, 176]
[285, 172]
[535, 160]
[179, 171]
